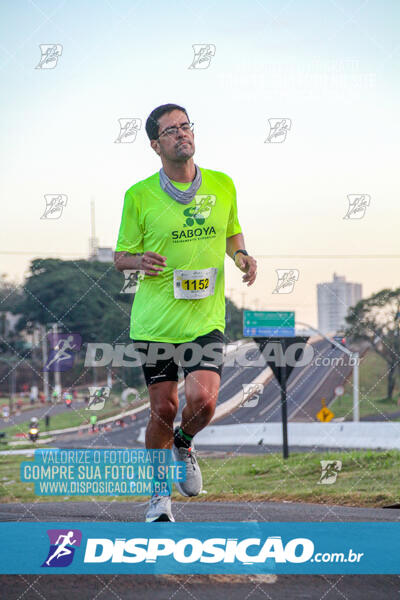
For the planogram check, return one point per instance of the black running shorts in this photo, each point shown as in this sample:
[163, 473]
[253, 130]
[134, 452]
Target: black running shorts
[160, 360]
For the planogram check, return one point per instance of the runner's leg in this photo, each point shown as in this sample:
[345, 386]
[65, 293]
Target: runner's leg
[159, 435]
[163, 406]
[201, 391]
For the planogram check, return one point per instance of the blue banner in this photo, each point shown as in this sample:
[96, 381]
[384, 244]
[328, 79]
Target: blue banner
[245, 548]
[102, 472]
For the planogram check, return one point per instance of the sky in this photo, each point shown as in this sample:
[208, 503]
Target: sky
[330, 68]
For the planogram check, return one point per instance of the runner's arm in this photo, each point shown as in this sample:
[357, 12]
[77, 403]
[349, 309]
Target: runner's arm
[126, 260]
[145, 261]
[247, 264]
[233, 243]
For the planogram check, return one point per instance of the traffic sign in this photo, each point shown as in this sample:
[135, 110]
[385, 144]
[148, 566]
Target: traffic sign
[282, 370]
[268, 323]
[339, 390]
[325, 415]
[278, 364]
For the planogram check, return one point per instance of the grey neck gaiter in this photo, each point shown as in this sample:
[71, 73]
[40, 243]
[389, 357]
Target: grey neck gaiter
[182, 196]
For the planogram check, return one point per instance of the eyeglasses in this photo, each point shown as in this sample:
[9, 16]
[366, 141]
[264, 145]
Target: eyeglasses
[174, 130]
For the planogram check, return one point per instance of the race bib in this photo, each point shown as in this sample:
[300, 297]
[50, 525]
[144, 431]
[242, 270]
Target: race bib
[193, 285]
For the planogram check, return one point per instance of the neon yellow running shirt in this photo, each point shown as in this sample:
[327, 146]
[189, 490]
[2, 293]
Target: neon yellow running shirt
[192, 236]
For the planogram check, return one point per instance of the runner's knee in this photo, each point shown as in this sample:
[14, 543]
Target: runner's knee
[201, 401]
[164, 409]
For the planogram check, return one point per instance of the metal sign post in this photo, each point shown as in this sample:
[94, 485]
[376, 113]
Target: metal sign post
[285, 445]
[282, 373]
[276, 327]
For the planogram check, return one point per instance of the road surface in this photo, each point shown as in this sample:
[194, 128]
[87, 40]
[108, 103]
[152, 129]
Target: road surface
[196, 587]
[306, 386]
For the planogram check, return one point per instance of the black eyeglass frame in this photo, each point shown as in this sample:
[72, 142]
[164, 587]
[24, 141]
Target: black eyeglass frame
[168, 131]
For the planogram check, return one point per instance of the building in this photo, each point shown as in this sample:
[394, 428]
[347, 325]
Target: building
[8, 322]
[102, 254]
[334, 300]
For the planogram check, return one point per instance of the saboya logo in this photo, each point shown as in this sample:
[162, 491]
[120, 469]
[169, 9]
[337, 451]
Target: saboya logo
[197, 215]
[190, 550]
[201, 210]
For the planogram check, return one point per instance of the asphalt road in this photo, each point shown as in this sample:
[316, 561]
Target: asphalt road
[197, 587]
[40, 412]
[192, 510]
[306, 386]
[200, 587]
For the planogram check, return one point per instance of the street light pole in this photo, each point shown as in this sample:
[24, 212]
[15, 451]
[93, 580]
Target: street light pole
[13, 379]
[13, 388]
[44, 360]
[356, 403]
[356, 357]
[57, 375]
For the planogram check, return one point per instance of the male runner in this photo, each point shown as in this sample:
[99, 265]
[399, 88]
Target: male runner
[176, 227]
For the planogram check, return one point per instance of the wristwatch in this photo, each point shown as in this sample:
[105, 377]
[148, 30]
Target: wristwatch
[241, 251]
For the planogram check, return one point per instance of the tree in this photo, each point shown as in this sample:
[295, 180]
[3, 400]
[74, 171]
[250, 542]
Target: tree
[377, 320]
[85, 297]
[10, 295]
[82, 296]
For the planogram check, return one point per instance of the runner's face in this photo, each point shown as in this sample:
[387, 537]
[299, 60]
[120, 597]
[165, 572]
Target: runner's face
[179, 147]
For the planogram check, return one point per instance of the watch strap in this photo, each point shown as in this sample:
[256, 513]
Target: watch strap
[241, 251]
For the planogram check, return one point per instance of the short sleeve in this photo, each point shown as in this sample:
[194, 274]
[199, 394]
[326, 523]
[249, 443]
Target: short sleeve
[130, 236]
[233, 222]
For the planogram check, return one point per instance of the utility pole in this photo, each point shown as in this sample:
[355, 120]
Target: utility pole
[57, 374]
[92, 354]
[94, 370]
[109, 377]
[93, 241]
[44, 360]
[13, 379]
[13, 388]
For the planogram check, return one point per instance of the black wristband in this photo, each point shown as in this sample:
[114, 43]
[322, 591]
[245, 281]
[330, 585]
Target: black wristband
[241, 251]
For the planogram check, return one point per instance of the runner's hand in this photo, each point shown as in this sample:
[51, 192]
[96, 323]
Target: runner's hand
[248, 265]
[148, 263]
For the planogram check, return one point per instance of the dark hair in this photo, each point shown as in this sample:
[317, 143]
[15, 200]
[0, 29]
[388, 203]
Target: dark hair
[152, 119]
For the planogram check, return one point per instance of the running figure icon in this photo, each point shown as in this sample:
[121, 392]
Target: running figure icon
[62, 549]
[61, 357]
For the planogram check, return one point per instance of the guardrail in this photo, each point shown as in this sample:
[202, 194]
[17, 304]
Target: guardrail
[374, 435]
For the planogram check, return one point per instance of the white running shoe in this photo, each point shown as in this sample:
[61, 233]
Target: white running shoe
[159, 509]
[193, 483]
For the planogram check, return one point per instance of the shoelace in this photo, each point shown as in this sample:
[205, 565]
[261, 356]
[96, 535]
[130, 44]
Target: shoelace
[192, 455]
[154, 500]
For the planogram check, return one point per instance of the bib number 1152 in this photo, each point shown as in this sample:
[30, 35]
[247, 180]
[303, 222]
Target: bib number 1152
[193, 285]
